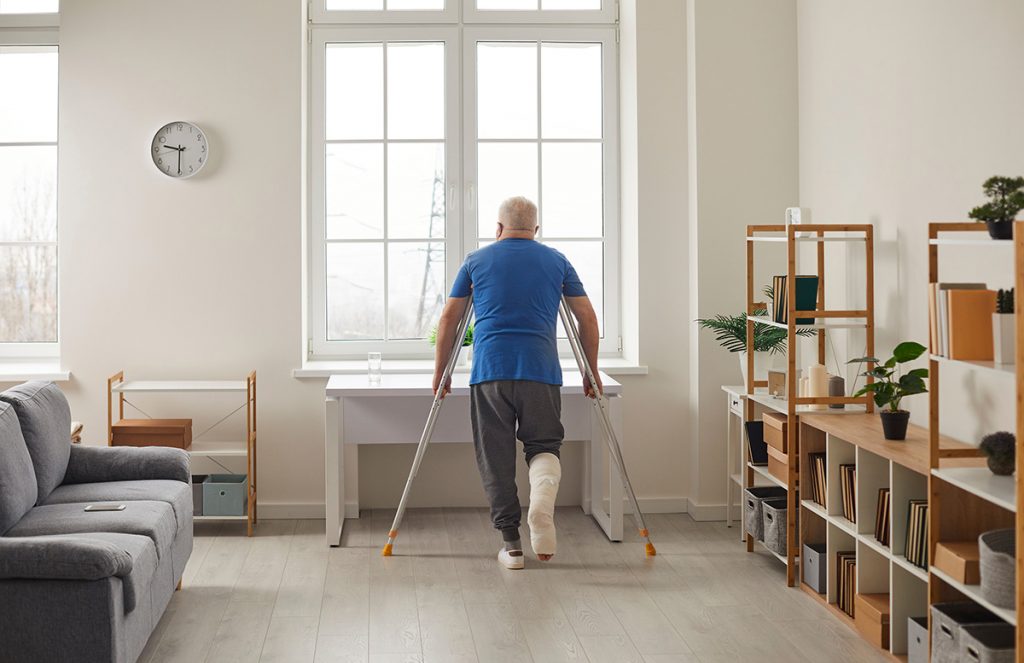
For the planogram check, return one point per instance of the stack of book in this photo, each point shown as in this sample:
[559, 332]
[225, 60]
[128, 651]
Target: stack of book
[960, 316]
[848, 484]
[882, 517]
[917, 533]
[817, 468]
[806, 298]
[846, 581]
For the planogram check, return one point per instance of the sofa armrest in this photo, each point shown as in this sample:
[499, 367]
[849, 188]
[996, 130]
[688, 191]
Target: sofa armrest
[62, 558]
[97, 464]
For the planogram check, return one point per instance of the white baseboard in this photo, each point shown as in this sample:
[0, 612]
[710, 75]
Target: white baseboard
[299, 510]
[710, 512]
[291, 510]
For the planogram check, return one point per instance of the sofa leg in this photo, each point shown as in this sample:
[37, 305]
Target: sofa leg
[178, 588]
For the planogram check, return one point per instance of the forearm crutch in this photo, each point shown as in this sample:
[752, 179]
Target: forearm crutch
[428, 429]
[614, 451]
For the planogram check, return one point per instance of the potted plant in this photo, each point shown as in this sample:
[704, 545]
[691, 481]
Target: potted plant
[891, 387]
[1000, 449]
[1003, 328]
[1006, 199]
[467, 342]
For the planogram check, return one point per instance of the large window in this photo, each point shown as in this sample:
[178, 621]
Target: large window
[28, 200]
[419, 131]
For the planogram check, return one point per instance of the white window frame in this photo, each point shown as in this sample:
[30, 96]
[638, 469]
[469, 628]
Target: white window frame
[320, 15]
[607, 14]
[27, 30]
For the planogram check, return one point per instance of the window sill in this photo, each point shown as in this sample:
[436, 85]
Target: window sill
[324, 369]
[42, 369]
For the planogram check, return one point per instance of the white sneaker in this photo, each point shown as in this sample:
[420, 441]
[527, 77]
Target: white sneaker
[511, 559]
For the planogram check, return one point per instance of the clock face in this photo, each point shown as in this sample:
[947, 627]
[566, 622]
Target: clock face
[179, 149]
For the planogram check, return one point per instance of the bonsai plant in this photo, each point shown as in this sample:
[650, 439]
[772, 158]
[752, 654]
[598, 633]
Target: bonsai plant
[1003, 339]
[1000, 448]
[467, 342]
[891, 387]
[1007, 198]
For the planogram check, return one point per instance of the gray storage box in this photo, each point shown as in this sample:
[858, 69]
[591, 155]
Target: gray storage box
[197, 493]
[917, 640]
[775, 525]
[814, 562]
[753, 516]
[987, 643]
[947, 618]
[997, 552]
[225, 495]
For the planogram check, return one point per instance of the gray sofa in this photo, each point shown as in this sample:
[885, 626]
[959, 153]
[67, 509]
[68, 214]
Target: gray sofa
[76, 585]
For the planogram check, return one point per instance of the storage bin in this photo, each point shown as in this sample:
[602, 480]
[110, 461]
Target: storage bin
[775, 529]
[917, 640]
[947, 618]
[775, 429]
[225, 495]
[815, 566]
[997, 550]
[871, 615]
[778, 464]
[753, 516]
[987, 643]
[197, 493]
[175, 433]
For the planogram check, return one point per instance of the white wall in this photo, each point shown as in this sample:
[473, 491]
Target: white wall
[905, 108]
[202, 278]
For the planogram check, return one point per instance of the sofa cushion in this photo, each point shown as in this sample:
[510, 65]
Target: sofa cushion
[175, 493]
[145, 518]
[18, 489]
[46, 424]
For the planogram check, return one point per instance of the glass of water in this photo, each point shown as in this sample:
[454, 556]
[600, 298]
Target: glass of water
[373, 367]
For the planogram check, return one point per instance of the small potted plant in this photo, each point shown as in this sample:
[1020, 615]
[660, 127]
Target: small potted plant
[1000, 449]
[891, 387]
[1003, 328]
[1006, 199]
[467, 343]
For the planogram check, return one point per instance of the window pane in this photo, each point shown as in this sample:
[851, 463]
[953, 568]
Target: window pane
[507, 90]
[570, 4]
[28, 294]
[28, 103]
[415, 288]
[573, 189]
[588, 259]
[341, 5]
[355, 291]
[28, 6]
[355, 190]
[416, 189]
[505, 170]
[506, 4]
[355, 91]
[28, 194]
[429, 5]
[416, 90]
[570, 90]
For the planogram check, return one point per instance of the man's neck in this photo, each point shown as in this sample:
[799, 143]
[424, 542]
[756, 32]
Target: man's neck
[516, 234]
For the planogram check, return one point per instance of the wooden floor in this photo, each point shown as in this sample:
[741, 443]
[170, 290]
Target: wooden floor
[284, 596]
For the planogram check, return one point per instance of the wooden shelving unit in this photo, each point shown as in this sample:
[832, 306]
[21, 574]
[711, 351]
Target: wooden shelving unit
[965, 498]
[824, 319]
[116, 384]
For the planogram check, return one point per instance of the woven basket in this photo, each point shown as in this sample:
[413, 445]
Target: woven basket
[998, 576]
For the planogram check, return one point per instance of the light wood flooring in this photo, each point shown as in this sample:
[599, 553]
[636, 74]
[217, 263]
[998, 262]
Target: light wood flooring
[284, 596]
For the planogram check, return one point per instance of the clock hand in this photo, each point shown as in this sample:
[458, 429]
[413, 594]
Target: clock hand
[179, 159]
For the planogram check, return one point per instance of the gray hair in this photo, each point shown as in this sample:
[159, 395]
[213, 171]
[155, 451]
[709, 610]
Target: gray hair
[518, 213]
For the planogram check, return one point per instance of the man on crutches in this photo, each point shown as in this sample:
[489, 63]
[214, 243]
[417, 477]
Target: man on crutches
[517, 285]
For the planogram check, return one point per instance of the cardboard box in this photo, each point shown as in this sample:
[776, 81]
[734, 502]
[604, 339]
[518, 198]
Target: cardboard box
[960, 560]
[153, 433]
[775, 430]
[872, 618]
[778, 464]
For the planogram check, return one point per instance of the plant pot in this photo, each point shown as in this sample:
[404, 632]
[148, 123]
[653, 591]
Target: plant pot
[464, 355]
[894, 424]
[1000, 229]
[762, 362]
[1003, 335]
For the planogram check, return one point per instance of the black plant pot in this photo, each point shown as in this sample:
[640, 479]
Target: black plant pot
[894, 424]
[999, 229]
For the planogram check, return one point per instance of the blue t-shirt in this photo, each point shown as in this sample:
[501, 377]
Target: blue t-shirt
[517, 285]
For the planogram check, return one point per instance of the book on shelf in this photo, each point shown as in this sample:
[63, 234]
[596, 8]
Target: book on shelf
[806, 298]
[848, 484]
[938, 313]
[817, 470]
[917, 533]
[757, 448]
[970, 324]
[846, 580]
[882, 517]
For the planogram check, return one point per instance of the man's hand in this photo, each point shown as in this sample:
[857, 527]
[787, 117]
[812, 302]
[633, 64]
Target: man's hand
[590, 336]
[588, 389]
[437, 384]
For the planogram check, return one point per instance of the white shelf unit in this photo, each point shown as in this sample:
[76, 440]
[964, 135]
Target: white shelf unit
[246, 448]
[764, 320]
[1008, 369]
[781, 239]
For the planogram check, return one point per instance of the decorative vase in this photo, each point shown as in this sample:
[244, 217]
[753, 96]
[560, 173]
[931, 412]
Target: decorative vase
[837, 389]
[1000, 229]
[894, 424]
[1003, 338]
[762, 360]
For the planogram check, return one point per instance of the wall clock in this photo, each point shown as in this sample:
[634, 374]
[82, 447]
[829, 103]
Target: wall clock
[180, 149]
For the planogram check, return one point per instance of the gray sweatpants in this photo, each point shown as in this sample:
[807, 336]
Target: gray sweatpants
[503, 411]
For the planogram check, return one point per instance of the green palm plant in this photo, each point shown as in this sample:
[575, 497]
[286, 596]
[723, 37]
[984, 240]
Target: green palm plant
[466, 342]
[731, 331]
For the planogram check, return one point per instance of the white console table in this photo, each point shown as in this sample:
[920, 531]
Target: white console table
[394, 412]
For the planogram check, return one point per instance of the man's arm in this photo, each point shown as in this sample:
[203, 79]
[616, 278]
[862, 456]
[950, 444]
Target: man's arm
[590, 337]
[447, 328]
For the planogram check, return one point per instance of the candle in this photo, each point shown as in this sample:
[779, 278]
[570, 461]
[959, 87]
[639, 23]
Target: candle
[818, 383]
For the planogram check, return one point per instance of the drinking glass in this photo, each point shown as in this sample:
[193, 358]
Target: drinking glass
[373, 367]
